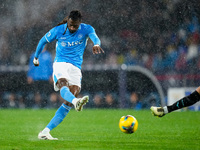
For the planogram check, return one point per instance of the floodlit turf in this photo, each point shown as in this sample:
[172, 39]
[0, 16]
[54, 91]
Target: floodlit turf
[98, 129]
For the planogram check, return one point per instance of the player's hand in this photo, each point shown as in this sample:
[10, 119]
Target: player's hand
[96, 49]
[36, 61]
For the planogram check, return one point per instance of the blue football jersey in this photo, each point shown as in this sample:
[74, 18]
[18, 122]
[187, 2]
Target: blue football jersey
[70, 46]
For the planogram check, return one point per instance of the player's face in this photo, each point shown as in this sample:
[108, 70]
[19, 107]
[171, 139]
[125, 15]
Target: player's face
[73, 25]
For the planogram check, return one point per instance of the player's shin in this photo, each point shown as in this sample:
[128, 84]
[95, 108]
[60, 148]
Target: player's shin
[66, 94]
[185, 102]
[59, 116]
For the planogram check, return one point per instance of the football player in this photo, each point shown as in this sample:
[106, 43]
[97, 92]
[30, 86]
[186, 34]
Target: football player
[71, 36]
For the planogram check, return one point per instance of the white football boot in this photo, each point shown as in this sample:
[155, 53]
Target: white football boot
[157, 111]
[46, 136]
[81, 102]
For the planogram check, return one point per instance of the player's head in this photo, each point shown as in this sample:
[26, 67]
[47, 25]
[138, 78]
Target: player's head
[75, 15]
[74, 20]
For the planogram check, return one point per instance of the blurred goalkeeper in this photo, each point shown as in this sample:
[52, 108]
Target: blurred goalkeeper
[71, 36]
[184, 102]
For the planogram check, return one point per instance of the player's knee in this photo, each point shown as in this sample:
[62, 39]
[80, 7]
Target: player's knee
[75, 90]
[62, 82]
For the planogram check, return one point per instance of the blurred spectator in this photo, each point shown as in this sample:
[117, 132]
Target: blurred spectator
[135, 102]
[98, 101]
[157, 64]
[181, 62]
[40, 78]
[170, 58]
[192, 49]
[132, 58]
[12, 101]
[54, 101]
[21, 101]
[193, 25]
[110, 101]
[120, 59]
[37, 101]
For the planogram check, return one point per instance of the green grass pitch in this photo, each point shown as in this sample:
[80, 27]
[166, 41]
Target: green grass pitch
[94, 129]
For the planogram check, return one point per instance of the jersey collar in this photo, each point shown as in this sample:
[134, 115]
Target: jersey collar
[65, 26]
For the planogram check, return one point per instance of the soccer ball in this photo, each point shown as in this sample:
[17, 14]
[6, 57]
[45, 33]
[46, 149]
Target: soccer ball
[128, 124]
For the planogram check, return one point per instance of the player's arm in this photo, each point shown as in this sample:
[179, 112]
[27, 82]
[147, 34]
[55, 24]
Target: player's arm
[47, 38]
[96, 49]
[39, 49]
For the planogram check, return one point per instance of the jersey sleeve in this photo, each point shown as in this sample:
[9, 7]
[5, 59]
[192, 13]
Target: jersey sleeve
[47, 38]
[93, 36]
[51, 35]
[40, 46]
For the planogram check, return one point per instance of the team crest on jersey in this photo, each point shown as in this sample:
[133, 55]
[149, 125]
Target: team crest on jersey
[80, 36]
[49, 34]
[63, 44]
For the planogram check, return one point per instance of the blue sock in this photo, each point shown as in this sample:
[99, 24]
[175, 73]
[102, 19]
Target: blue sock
[59, 116]
[66, 94]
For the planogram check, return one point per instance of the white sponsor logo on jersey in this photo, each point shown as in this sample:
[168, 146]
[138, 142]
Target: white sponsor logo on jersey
[74, 43]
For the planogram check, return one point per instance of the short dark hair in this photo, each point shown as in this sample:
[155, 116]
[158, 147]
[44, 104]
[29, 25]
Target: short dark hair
[75, 15]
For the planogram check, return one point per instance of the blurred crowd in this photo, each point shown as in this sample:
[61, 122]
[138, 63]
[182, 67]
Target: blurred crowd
[54, 100]
[161, 35]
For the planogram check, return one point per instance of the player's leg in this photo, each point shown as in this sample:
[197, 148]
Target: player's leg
[64, 109]
[60, 114]
[65, 92]
[184, 102]
[68, 80]
[78, 102]
[69, 93]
